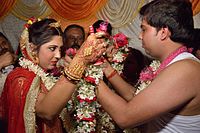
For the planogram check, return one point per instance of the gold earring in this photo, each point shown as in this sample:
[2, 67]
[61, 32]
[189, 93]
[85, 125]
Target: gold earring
[35, 58]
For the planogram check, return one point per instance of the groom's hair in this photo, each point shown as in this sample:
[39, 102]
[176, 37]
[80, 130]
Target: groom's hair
[176, 15]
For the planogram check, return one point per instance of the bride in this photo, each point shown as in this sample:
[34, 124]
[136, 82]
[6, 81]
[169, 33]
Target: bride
[32, 99]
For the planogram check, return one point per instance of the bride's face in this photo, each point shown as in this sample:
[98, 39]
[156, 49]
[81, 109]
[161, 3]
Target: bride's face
[49, 53]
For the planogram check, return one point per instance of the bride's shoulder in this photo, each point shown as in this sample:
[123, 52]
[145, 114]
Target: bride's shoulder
[20, 72]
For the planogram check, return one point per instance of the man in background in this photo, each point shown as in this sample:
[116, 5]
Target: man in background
[73, 37]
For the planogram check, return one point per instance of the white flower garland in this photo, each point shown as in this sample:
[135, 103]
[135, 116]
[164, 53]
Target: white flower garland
[88, 110]
[48, 80]
[118, 59]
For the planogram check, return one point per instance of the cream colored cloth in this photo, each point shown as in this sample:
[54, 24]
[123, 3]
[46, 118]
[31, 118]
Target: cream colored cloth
[170, 123]
[3, 74]
[2, 81]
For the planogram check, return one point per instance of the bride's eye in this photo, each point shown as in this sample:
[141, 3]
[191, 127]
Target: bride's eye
[52, 48]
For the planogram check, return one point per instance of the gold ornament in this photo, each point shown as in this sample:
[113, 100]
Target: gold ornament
[55, 24]
[75, 72]
[88, 51]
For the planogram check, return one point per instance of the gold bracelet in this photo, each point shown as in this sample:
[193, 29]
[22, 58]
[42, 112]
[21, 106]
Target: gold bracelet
[75, 72]
[88, 51]
[70, 80]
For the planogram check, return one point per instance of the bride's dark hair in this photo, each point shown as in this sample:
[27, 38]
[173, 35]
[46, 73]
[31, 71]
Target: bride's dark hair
[42, 32]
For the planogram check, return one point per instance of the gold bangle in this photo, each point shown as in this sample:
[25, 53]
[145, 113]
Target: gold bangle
[87, 51]
[70, 75]
[70, 80]
[75, 72]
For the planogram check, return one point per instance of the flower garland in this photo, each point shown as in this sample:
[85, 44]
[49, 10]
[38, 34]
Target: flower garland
[89, 114]
[48, 80]
[121, 44]
[86, 108]
[122, 53]
[149, 73]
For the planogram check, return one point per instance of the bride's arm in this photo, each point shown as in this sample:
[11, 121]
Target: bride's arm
[50, 104]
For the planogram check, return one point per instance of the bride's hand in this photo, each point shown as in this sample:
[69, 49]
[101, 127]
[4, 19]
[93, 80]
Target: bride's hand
[93, 47]
[89, 52]
[110, 51]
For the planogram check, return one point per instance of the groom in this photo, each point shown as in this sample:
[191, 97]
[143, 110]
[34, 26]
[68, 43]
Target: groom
[171, 102]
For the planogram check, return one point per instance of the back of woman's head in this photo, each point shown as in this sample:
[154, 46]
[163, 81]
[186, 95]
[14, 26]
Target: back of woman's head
[42, 31]
[134, 64]
[176, 15]
[97, 24]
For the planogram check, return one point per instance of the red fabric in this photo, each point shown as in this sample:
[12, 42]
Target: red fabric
[13, 100]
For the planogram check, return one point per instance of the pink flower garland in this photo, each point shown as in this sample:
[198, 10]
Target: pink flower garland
[149, 73]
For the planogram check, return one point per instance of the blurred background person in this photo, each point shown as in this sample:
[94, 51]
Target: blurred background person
[7, 59]
[97, 26]
[73, 37]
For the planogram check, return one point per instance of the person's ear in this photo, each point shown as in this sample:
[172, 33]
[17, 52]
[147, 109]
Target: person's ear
[34, 53]
[33, 48]
[165, 33]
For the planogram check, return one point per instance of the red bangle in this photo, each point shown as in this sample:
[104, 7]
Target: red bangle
[112, 74]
